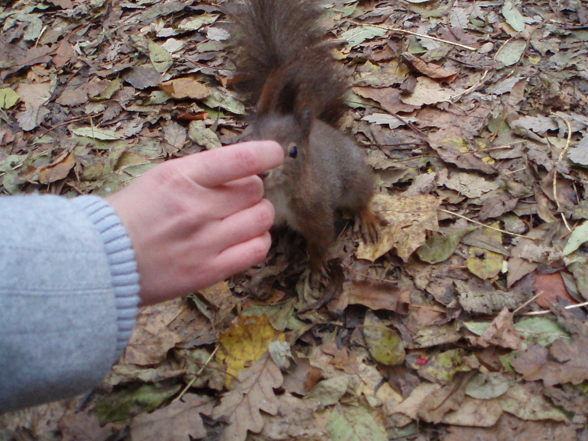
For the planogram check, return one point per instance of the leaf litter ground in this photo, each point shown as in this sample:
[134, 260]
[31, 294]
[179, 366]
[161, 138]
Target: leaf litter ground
[465, 320]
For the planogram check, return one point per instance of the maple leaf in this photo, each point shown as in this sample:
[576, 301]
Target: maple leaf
[253, 392]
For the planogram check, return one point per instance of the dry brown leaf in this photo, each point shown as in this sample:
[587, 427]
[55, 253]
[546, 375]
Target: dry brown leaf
[551, 289]
[303, 378]
[57, 170]
[186, 87]
[501, 332]
[175, 136]
[568, 362]
[428, 91]
[65, 52]
[151, 338]
[512, 428]
[474, 412]
[73, 96]
[253, 392]
[407, 411]
[387, 97]
[84, 426]
[408, 220]
[517, 269]
[34, 96]
[374, 295]
[442, 401]
[178, 421]
[431, 70]
[452, 147]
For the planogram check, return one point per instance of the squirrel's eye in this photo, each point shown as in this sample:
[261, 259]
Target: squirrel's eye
[293, 152]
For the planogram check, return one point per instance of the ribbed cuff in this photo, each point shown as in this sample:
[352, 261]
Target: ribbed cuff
[121, 258]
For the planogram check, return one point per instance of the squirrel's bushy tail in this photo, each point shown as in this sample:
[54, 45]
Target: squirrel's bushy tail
[280, 44]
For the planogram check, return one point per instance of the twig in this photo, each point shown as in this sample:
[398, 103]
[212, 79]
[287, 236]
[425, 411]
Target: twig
[544, 312]
[416, 34]
[204, 366]
[532, 299]
[559, 159]
[471, 88]
[484, 225]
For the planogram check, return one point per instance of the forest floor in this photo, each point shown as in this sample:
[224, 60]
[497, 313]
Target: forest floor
[466, 320]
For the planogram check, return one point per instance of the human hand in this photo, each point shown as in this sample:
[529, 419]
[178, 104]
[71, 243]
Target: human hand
[196, 220]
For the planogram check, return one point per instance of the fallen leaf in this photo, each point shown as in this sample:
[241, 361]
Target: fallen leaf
[441, 245]
[501, 332]
[96, 133]
[484, 263]
[355, 423]
[408, 218]
[244, 343]
[431, 70]
[477, 296]
[485, 386]
[510, 53]
[127, 403]
[528, 403]
[374, 295]
[185, 87]
[568, 362]
[359, 34]
[383, 343]
[513, 16]
[57, 170]
[175, 137]
[443, 366]
[452, 148]
[578, 237]
[328, 392]
[152, 338]
[180, 420]
[254, 391]
[202, 135]
[428, 91]
[34, 96]
[512, 428]
[161, 59]
[143, 77]
[550, 288]
[8, 98]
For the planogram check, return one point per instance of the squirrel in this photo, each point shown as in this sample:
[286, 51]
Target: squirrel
[285, 68]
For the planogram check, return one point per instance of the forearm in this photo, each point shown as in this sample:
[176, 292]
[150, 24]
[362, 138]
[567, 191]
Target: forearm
[68, 296]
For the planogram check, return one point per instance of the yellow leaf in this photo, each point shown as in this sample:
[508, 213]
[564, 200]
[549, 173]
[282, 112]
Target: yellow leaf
[484, 263]
[244, 343]
[8, 98]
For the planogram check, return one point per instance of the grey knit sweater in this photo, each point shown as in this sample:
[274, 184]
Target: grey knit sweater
[68, 296]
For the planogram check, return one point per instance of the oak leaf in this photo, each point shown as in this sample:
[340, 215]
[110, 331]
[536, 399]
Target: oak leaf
[252, 393]
[180, 420]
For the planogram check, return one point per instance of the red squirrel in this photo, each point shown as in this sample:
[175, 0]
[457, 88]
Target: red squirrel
[286, 70]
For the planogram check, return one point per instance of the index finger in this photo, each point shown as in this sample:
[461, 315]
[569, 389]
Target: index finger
[219, 166]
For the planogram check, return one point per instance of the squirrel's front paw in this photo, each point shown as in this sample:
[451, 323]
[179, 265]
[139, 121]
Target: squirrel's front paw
[368, 225]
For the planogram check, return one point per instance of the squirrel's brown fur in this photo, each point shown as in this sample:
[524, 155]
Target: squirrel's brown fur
[285, 68]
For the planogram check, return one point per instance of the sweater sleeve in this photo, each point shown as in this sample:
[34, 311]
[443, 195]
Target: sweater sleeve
[68, 296]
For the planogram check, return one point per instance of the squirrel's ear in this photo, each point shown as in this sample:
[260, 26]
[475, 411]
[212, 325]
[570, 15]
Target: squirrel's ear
[304, 118]
[278, 94]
